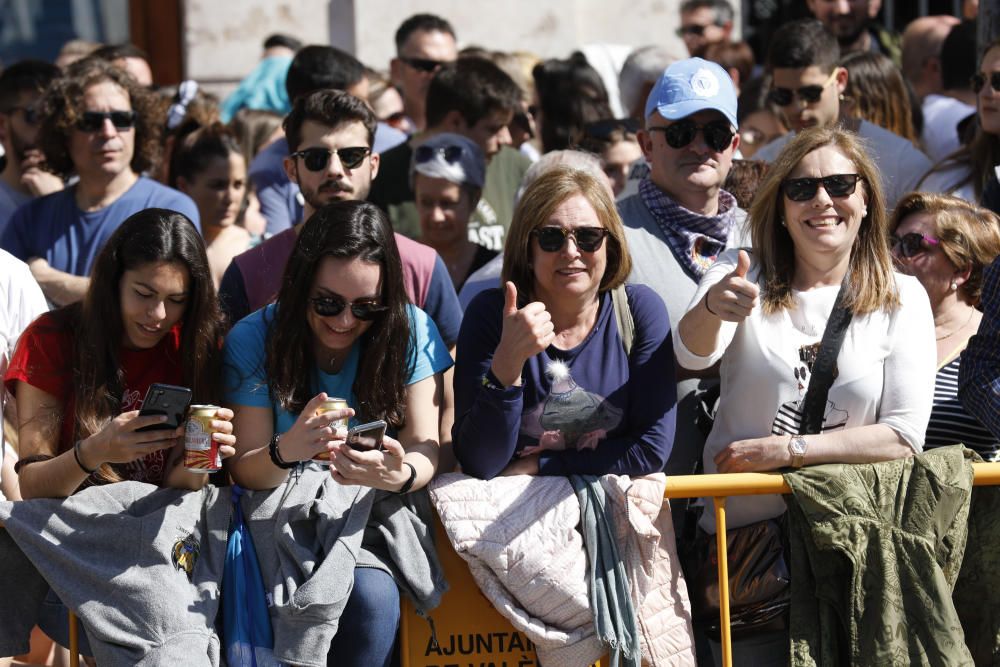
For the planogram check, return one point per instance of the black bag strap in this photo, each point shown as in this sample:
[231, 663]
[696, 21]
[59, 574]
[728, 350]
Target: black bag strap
[814, 403]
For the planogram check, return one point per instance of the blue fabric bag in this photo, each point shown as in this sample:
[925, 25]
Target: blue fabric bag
[246, 623]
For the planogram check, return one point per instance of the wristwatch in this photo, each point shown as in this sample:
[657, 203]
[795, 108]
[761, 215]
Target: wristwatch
[797, 447]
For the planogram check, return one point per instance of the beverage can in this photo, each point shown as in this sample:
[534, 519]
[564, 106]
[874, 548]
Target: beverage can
[331, 404]
[201, 452]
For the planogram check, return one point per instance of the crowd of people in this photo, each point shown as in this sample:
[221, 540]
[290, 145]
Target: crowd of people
[763, 264]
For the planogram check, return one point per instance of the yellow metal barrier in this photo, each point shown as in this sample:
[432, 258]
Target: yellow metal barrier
[720, 487]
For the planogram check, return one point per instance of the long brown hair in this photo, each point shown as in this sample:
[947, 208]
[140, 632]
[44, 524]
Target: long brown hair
[152, 235]
[347, 230]
[871, 283]
[877, 92]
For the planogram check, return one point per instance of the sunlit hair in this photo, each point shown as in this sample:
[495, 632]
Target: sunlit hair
[197, 148]
[62, 107]
[979, 156]
[969, 235]
[877, 92]
[150, 236]
[344, 230]
[536, 206]
[871, 285]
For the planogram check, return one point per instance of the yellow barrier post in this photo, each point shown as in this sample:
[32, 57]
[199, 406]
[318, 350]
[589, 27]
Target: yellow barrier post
[722, 552]
[74, 641]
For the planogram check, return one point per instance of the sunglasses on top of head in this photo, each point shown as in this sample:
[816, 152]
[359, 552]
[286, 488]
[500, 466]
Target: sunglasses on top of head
[332, 306]
[317, 159]
[93, 121]
[451, 154]
[979, 80]
[553, 239]
[808, 94]
[423, 64]
[836, 185]
[912, 244]
[693, 29]
[718, 134]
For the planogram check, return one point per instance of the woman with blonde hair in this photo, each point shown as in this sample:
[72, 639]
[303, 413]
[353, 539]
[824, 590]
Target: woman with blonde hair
[548, 380]
[818, 225]
[946, 243]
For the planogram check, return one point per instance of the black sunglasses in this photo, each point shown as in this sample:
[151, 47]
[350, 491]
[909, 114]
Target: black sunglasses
[32, 116]
[836, 185]
[451, 154]
[718, 134]
[552, 239]
[912, 244]
[422, 64]
[93, 121]
[332, 306]
[317, 159]
[691, 30]
[979, 80]
[808, 94]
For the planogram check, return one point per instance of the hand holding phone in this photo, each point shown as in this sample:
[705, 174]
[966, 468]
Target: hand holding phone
[367, 437]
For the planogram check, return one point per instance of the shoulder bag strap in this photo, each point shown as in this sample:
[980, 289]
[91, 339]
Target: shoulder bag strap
[623, 315]
[814, 403]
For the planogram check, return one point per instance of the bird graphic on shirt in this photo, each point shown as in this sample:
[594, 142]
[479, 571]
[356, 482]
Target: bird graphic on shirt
[570, 417]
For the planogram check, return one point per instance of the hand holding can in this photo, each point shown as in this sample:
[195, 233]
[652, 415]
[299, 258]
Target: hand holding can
[201, 450]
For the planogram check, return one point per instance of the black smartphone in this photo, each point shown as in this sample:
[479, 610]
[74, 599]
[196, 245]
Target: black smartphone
[165, 399]
[365, 437]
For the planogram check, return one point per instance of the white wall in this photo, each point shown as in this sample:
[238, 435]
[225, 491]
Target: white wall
[222, 38]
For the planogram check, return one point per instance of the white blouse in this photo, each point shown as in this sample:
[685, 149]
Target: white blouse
[884, 374]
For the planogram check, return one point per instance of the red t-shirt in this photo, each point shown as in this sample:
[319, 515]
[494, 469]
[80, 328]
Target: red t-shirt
[44, 359]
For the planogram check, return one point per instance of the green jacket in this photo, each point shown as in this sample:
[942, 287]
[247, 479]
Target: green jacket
[875, 553]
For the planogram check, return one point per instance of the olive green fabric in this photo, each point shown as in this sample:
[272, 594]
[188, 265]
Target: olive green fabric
[977, 592]
[875, 553]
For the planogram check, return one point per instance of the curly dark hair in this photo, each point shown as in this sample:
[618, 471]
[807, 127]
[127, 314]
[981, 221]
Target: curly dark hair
[61, 109]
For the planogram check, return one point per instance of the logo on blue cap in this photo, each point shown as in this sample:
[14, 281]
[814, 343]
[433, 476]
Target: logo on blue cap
[692, 85]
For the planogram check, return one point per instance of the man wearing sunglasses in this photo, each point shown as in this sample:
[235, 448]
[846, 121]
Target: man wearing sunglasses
[24, 176]
[97, 124]
[852, 22]
[681, 218]
[807, 84]
[703, 23]
[979, 375]
[424, 42]
[476, 99]
[313, 68]
[330, 136]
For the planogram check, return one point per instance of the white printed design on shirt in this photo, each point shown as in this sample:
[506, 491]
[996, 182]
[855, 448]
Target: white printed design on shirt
[788, 420]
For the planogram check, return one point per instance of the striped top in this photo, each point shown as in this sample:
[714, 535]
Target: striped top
[950, 422]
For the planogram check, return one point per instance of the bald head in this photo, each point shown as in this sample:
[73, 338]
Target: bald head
[922, 42]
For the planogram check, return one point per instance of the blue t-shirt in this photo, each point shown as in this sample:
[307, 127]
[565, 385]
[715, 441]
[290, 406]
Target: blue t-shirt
[244, 377]
[10, 201]
[591, 394]
[54, 228]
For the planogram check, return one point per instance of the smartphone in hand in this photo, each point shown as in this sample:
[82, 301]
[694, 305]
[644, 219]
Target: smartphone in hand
[165, 399]
[366, 437]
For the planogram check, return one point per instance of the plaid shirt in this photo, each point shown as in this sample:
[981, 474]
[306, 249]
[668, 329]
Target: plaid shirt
[696, 240]
[979, 376]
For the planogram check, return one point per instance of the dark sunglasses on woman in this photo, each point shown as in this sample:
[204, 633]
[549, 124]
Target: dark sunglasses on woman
[836, 185]
[912, 244]
[552, 239]
[718, 134]
[93, 121]
[979, 80]
[332, 306]
[317, 159]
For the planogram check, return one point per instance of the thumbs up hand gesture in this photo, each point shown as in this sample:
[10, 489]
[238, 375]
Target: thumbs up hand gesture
[734, 297]
[526, 332]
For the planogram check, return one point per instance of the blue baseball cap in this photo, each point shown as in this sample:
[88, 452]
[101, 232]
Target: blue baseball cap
[692, 85]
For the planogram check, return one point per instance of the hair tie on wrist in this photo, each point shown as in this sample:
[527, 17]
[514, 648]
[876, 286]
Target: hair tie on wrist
[408, 484]
[272, 450]
[715, 314]
[79, 461]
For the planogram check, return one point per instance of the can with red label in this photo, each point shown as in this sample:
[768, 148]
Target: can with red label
[323, 458]
[201, 452]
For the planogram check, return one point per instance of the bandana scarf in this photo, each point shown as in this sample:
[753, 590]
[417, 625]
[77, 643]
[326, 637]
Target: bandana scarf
[696, 240]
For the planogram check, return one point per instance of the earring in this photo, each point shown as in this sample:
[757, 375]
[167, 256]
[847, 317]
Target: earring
[782, 221]
[954, 286]
[864, 212]
[841, 97]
